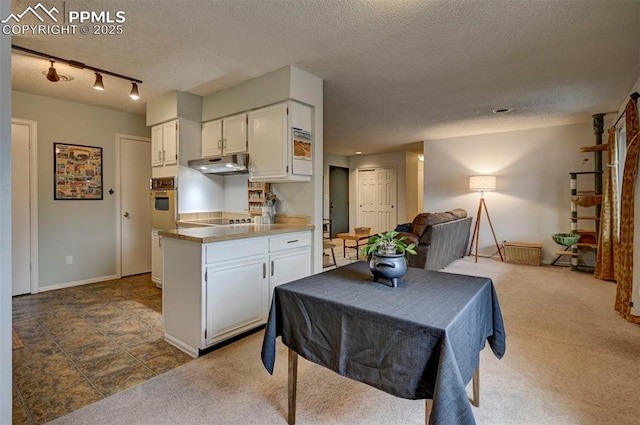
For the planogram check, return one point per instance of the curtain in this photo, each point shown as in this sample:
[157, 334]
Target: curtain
[608, 237]
[624, 268]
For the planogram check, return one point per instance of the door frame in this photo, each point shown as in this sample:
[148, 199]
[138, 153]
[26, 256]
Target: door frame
[33, 198]
[118, 203]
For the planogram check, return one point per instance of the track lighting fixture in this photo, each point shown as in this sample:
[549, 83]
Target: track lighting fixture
[134, 91]
[52, 74]
[98, 84]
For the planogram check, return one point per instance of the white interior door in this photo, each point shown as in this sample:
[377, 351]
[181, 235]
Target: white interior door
[385, 184]
[367, 200]
[377, 196]
[135, 217]
[20, 209]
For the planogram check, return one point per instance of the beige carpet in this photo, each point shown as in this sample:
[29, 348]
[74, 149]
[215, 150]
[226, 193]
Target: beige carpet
[570, 360]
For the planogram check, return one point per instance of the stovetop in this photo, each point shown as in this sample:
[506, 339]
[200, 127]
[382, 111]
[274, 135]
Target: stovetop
[224, 221]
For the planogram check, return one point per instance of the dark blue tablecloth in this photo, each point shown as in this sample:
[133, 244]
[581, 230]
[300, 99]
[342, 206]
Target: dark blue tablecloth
[419, 340]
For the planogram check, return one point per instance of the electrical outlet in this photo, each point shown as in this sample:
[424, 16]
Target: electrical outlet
[69, 259]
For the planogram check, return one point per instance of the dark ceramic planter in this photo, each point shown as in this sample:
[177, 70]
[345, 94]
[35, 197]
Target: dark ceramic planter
[388, 266]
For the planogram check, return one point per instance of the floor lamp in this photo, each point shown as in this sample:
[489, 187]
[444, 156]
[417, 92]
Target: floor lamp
[482, 184]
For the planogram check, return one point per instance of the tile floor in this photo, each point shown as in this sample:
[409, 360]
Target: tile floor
[85, 343]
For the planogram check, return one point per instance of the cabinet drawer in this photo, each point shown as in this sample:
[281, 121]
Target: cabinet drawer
[289, 240]
[224, 251]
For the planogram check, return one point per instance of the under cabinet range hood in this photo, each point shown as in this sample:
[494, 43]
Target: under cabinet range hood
[224, 165]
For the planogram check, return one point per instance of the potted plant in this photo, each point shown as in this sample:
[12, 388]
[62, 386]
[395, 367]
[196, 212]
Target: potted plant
[387, 244]
[387, 256]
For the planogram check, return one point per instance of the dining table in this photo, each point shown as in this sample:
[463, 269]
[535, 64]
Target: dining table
[420, 340]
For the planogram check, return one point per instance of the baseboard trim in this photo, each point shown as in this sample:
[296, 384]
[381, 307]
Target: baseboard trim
[180, 345]
[77, 283]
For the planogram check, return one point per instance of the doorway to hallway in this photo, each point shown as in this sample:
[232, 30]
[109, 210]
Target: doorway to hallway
[339, 200]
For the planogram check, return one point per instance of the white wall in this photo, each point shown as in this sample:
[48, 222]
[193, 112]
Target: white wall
[532, 200]
[199, 192]
[306, 198]
[411, 177]
[84, 229]
[235, 193]
[261, 91]
[420, 186]
[5, 222]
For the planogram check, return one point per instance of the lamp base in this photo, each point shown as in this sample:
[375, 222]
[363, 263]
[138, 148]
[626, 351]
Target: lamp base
[476, 230]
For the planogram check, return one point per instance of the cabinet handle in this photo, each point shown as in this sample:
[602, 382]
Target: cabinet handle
[224, 143]
[164, 155]
[219, 143]
[264, 270]
[272, 268]
[293, 241]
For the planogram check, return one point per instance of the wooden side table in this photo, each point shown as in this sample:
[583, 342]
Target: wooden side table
[356, 237]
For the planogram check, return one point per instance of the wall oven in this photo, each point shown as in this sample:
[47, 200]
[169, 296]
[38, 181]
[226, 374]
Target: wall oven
[163, 202]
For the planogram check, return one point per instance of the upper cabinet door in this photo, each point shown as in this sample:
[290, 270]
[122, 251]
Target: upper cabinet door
[156, 146]
[234, 130]
[212, 138]
[267, 142]
[170, 142]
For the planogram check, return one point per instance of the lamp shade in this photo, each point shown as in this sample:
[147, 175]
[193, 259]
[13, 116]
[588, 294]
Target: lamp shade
[482, 183]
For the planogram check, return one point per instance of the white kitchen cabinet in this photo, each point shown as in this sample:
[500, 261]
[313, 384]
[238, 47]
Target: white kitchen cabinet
[157, 148]
[156, 258]
[236, 283]
[289, 259]
[173, 143]
[214, 291]
[236, 296]
[234, 134]
[224, 136]
[212, 138]
[164, 144]
[270, 135]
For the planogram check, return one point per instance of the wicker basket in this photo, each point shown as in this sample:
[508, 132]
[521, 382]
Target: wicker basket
[362, 230]
[566, 239]
[522, 253]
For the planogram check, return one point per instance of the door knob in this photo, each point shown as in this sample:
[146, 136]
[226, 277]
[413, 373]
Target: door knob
[126, 214]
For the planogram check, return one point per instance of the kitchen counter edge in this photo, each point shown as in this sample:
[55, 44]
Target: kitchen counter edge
[210, 234]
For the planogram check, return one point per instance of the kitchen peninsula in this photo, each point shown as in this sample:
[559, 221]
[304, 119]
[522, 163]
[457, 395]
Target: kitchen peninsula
[218, 280]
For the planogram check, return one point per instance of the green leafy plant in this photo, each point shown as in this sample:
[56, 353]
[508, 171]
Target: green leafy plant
[388, 243]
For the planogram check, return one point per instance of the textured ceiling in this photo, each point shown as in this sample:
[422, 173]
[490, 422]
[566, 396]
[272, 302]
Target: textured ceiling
[395, 71]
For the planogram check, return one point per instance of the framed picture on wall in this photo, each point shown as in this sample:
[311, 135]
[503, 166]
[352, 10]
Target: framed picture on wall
[77, 172]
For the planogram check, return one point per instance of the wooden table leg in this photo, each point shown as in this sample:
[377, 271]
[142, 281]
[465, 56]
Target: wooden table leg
[476, 387]
[344, 248]
[428, 405]
[293, 381]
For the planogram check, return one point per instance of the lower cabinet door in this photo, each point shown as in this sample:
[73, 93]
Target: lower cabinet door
[236, 297]
[287, 266]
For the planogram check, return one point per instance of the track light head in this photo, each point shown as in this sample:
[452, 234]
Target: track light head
[134, 91]
[98, 84]
[52, 75]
